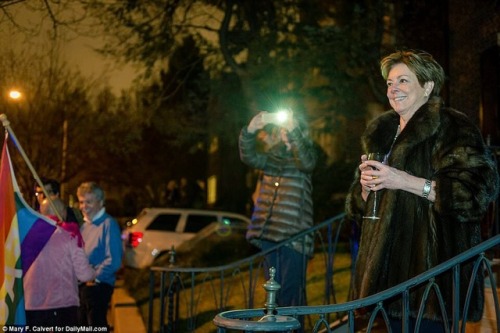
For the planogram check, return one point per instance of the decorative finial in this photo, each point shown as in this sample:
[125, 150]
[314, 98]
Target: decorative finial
[271, 287]
[271, 319]
[172, 256]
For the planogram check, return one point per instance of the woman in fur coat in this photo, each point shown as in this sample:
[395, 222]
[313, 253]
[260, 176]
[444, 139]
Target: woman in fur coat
[434, 189]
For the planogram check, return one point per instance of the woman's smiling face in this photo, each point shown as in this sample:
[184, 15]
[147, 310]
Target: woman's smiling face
[404, 92]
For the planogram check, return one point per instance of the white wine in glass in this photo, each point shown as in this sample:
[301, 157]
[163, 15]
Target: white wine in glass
[372, 200]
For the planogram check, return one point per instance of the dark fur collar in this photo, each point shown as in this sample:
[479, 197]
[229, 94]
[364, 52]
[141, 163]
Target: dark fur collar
[380, 133]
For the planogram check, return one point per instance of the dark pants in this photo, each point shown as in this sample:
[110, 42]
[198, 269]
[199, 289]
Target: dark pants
[291, 268]
[426, 326]
[60, 317]
[94, 303]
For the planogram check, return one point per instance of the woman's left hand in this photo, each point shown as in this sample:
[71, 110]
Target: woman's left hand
[377, 176]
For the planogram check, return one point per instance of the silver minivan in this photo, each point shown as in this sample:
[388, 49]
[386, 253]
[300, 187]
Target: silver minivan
[156, 230]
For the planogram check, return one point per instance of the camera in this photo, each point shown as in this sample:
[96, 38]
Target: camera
[278, 117]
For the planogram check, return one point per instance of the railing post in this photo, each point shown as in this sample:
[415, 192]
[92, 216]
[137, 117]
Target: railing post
[151, 300]
[171, 293]
[271, 315]
[271, 287]
[162, 302]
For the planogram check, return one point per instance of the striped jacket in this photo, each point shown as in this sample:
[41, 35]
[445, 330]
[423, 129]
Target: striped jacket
[284, 205]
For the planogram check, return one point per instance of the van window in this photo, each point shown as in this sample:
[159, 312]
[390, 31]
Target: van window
[195, 223]
[164, 222]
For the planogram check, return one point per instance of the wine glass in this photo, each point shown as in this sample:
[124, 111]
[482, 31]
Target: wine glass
[372, 201]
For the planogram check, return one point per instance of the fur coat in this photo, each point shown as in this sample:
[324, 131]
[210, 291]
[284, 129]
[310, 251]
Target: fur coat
[414, 234]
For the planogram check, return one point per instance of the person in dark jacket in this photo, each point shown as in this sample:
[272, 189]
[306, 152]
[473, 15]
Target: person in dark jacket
[437, 180]
[52, 187]
[283, 206]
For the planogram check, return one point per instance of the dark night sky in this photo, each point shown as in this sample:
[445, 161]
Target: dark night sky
[77, 52]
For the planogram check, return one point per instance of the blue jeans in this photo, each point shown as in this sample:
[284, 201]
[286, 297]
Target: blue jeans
[291, 267]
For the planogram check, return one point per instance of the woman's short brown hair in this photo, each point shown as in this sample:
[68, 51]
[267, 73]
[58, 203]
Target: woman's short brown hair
[421, 63]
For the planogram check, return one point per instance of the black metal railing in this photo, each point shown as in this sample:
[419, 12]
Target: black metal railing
[176, 293]
[244, 320]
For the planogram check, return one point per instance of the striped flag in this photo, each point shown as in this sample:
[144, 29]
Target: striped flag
[23, 234]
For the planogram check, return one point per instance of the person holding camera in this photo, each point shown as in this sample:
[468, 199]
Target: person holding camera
[278, 144]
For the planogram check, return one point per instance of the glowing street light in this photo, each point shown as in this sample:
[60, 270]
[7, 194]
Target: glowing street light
[15, 94]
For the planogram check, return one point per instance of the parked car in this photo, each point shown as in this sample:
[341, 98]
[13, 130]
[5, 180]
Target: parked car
[156, 230]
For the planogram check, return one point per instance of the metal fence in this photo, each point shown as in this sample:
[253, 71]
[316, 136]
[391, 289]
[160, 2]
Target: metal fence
[178, 296]
[244, 320]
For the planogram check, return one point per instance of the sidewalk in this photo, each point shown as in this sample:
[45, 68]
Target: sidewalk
[124, 315]
[488, 323]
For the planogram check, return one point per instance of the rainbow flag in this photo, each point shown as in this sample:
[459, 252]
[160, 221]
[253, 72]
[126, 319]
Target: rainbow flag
[23, 234]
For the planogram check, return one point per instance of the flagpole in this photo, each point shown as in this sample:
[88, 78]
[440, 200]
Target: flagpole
[10, 131]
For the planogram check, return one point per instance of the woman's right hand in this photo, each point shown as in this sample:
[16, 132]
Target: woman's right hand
[363, 179]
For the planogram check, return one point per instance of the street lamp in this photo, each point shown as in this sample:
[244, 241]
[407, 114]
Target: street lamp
[14, 98]
[15, 94]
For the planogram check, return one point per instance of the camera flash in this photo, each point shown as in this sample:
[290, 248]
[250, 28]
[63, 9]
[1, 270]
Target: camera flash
[282, 116]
